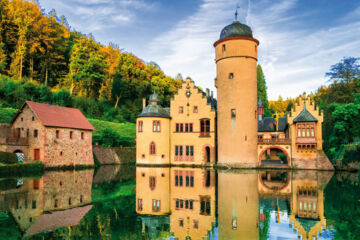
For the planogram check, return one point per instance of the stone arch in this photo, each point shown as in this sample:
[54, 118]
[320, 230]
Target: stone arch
[18, 151]
[278, 188]
[274, 147]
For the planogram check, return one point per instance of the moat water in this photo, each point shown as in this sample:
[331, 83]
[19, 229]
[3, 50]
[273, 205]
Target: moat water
[122, 202]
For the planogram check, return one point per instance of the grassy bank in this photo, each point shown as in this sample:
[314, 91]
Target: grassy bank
[22, 169]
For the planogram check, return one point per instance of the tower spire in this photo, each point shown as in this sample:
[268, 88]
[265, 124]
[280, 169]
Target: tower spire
[236, 12]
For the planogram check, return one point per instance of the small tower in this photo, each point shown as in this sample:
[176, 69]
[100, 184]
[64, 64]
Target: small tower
[236, 82]
[153, 134]
[260, 110]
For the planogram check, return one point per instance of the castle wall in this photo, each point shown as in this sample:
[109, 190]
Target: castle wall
[191, 116]
[236, 83]
[161, 139]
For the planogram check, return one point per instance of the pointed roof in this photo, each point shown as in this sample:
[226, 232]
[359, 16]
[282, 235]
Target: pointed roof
[153, 109]
[305, 116]
[57, 116]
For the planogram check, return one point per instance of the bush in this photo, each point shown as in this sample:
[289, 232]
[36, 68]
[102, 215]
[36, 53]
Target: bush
[108, 137]
[282, 157]
[8, 158]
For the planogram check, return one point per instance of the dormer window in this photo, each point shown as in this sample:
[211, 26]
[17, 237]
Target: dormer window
[231, 75]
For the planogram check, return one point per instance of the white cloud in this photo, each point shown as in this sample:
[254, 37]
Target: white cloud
[294, 57]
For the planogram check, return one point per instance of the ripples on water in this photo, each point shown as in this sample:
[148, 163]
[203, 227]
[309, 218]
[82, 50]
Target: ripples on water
[121, 202]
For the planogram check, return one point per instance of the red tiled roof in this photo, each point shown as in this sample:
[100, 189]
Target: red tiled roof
[57, 116]
[59, 219]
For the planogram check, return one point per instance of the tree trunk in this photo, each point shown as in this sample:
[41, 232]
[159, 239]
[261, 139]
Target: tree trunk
[31, 69]
[72, 86]
[46, 76]
[117, 101]
[21, 63]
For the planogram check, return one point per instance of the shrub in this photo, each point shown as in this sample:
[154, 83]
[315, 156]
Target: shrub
[8, 158]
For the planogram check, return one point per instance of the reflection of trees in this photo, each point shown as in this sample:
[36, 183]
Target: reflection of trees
[342, 207]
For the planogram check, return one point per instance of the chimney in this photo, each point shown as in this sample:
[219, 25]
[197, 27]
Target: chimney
[144, 102]
[207, 92]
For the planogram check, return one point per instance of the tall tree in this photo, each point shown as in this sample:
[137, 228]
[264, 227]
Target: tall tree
[262, 90]
[345, 71]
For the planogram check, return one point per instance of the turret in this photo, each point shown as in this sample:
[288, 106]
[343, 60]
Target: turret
[153, 134]
[236, 82]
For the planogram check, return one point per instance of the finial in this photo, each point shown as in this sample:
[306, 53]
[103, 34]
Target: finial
[236, 12]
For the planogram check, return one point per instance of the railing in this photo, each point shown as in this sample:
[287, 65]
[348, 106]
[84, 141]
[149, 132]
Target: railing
[17, 141]
[274, 141]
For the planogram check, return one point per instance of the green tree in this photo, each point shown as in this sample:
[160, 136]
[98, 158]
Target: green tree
[262, 90]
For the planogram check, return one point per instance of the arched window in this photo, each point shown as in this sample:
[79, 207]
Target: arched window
[152, 148]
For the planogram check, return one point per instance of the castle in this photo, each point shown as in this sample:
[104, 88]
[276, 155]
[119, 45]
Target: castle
[232, 130]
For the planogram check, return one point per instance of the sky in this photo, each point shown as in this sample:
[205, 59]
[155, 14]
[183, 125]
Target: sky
[299, 39]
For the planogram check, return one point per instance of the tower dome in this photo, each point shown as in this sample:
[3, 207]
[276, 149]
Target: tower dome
[236, 29]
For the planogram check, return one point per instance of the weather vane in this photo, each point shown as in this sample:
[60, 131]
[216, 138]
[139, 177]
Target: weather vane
[236, 12]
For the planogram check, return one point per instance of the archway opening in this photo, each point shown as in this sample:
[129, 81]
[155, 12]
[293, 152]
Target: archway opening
[274, 180]
[207, 150]
[274, 156]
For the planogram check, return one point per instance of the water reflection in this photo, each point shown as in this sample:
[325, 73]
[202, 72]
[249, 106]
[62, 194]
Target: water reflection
[184, 203]
[31, 204]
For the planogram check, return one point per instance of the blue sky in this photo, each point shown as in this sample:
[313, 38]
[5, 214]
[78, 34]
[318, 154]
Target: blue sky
[299, 39]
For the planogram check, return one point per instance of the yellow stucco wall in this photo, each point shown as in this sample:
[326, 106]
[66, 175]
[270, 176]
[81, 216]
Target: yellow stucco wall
[147, 136]
[237, 137]
[161, 191]
[204, 111]
[192, 193]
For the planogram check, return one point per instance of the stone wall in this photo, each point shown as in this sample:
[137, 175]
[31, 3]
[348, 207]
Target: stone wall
[119, 155]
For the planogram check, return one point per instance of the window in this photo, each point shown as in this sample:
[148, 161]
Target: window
[61, 153]
[181, 127]
[181, 222]
[177, 127]
[71, 134]
[186, 127]
[156, 126]
[204, 127]
[140, 126]
[22, 119]
[70, 201]
[195, 109]
[180, 150]
[33, 118]
[223, 47]
[233, 113]
[176, 150]
[56, 203]
[82, 135]
[156, 205]
[33, 204]
[57, 133]
[205, 205]
[81, 198]
[196, 224]
[152, 148]
[35, 133]
[231, 75]
[187, 150]
[181, 109]
[139, 204]
[190, 127]
[191, 150]
[152, 182]
[36, 184]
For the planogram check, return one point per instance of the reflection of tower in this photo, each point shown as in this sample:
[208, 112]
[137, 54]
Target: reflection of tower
[238, 208]
[192, 203]
[236, 82]
[152, 199]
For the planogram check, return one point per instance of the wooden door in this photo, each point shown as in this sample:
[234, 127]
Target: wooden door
[37, 154]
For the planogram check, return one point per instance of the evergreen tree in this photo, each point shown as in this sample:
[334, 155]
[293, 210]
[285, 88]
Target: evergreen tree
[262, 90]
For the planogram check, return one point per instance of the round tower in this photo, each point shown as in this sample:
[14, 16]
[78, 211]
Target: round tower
[236, 82]
[153, 134]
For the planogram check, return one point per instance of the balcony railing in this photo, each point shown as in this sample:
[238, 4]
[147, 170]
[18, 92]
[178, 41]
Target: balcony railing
[17, 141]
[274, 141]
